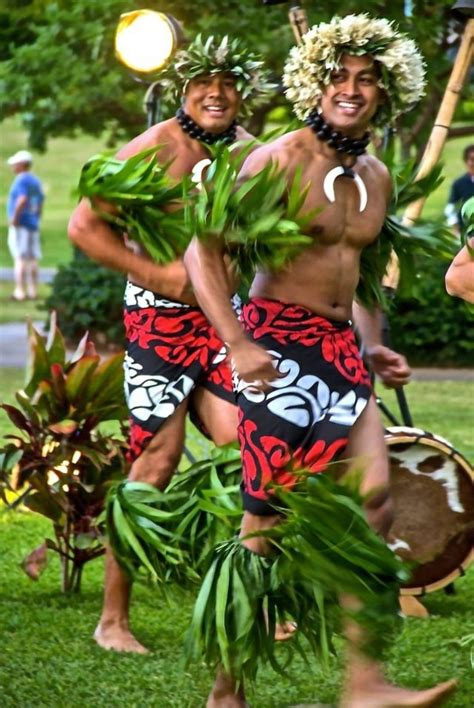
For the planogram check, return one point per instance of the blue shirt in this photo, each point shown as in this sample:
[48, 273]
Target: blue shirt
[462, 189]
[27, 185]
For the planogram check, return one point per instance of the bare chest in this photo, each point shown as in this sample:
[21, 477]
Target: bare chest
[348, 210]
[183, 161]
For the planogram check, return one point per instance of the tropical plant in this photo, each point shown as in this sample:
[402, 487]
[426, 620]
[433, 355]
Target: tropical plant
[430, 239]
[140, 192]
[259, 220]
[60, 464]
[169, 534]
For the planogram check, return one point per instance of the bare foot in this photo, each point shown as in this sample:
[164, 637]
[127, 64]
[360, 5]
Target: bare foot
[384, 695]
[285, 631]
[225, 695]
[117, 638]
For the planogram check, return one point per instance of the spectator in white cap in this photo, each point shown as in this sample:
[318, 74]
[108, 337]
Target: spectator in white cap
[24, 205]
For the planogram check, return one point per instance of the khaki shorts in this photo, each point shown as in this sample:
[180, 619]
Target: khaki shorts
[24, 243]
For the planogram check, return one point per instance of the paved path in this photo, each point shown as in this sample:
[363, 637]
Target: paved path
[45, 275]
[14, 344]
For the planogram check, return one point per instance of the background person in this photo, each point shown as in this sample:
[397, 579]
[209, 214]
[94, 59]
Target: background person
[462, 189]
[24, 207]
[459, 278]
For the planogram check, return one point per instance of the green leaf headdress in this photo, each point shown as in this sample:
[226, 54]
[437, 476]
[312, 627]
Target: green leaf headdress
[214, 56]
[309, 65]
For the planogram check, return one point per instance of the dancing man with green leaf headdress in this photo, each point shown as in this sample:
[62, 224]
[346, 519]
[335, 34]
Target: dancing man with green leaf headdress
[174, 361]
[304, 394]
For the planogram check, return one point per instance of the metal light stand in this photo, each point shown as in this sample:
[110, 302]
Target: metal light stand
[152, 103]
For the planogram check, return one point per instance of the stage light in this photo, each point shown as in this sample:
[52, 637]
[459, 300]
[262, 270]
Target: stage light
[145, 40]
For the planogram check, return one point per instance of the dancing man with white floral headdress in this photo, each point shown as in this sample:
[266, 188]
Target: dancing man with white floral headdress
[303, 392]
[175, 362]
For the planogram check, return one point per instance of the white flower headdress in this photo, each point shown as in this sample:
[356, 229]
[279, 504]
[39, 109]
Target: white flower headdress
[309, 65]
[214, 56]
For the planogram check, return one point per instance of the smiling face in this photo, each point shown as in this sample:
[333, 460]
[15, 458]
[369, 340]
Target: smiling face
[212, 101]
[352, 98]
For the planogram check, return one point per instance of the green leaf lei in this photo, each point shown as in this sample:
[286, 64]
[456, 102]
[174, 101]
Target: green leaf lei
[467, 214]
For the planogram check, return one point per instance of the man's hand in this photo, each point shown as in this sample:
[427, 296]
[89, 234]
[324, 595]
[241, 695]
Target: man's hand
[391, 367]
[253, 364]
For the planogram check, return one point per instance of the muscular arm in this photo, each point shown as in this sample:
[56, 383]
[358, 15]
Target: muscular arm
[460, 276]
[205, 265]
[93, 235]
[206, 268]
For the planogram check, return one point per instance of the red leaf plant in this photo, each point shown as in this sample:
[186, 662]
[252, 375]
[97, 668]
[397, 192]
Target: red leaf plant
[61, 463]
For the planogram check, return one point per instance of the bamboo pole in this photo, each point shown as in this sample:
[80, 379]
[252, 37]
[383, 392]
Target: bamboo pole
[438, 135]
[298, 22]
[441, 126]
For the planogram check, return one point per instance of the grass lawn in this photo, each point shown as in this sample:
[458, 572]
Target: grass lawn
[13, 311]
[49, 659]
[442, 407]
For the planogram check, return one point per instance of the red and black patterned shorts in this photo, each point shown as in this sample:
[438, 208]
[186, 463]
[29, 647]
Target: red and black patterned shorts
[170, 349]
[303, 420]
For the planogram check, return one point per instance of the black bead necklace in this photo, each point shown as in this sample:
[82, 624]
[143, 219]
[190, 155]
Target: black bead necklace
[341, 143]
[190, 127]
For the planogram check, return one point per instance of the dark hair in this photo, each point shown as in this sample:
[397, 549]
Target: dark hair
[466, 151]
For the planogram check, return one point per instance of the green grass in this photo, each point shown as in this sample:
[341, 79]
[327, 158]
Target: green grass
[442, 407]
[59, 170]
[49, 659]
[13, 311]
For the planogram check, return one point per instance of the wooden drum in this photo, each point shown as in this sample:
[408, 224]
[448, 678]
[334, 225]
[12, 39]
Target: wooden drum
[433, 491]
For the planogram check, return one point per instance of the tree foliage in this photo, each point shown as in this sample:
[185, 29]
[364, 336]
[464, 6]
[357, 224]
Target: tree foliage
[58, 70]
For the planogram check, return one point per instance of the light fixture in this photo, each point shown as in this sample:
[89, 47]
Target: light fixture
[145, 40]
[463, 9]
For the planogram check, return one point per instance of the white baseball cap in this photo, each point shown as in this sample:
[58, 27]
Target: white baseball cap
[20, 156]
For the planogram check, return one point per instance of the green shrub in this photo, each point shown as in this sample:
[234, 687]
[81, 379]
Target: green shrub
[59, 463]
[89, 297]
[435, 329]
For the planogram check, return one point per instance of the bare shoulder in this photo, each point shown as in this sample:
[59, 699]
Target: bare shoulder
[282, 152]
[159, 136]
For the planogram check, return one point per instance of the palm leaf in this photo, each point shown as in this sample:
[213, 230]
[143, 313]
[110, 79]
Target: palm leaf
[429, 239]
[145, 201]
[259, 220]
[327, 549]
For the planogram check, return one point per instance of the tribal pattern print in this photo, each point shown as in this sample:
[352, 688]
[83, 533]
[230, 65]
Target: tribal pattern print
[302, 421]
[170, 349]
